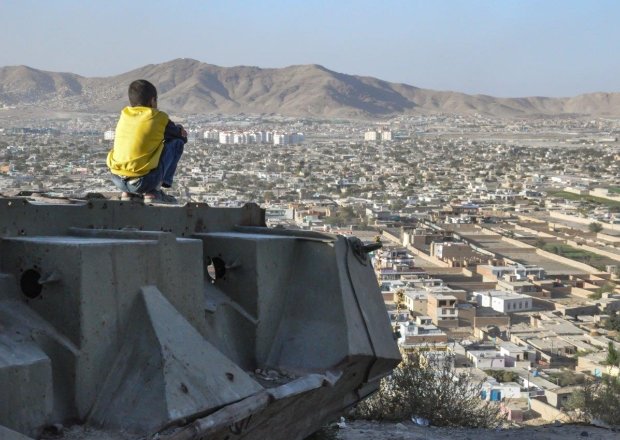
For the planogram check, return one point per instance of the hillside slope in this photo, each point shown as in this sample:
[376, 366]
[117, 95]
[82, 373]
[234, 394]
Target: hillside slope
[190, 86]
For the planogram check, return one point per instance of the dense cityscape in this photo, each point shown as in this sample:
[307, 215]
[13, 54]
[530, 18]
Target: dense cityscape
[500, 238]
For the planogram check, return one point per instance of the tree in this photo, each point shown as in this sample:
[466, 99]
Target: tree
[399, 296]
[503, 375]
[605, 288]
[595, 227]
[597, 400]
[613, 323]
[430, 387]
[613, 358]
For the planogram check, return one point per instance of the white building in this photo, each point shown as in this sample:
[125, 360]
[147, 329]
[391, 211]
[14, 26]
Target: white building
[371, 135]
[502, 301]
[493, 390]
[374, 135]
[517, 356]
[225, 137]
[515, 272]
[211, 135]
[485, 359]
[281, 139]
[239, 138]
[253, 137]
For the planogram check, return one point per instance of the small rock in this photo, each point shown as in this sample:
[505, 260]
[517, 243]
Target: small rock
[401, 427]
[420, 421]
[585, 434]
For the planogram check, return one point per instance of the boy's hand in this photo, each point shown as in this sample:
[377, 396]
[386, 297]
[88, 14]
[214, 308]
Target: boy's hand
[183, 132]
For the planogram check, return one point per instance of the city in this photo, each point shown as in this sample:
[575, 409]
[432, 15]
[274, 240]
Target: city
[500, 239]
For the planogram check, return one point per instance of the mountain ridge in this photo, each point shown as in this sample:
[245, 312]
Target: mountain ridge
[308, 90]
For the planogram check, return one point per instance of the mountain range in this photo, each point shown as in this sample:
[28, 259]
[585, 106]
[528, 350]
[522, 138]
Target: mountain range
[188, 86]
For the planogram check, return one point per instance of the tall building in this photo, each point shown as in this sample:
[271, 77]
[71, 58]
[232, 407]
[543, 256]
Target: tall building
[212, 135]
[371, 135]
[374, 135]
[226, 137]
[386, 135]
[281, 139]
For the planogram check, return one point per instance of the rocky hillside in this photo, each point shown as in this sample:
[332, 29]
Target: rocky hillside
[189, 86]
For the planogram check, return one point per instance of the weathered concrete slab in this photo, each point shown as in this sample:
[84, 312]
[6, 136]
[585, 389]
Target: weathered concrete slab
[165, 371]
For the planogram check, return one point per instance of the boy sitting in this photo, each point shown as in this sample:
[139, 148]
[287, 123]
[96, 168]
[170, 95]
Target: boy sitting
[147, 147]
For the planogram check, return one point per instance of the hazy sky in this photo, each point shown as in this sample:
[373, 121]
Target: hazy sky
[496, 47]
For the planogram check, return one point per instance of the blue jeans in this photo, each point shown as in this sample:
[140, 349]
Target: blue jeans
[160, 176]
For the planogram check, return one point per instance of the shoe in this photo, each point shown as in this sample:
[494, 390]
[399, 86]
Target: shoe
[131, 197]
[159, 197]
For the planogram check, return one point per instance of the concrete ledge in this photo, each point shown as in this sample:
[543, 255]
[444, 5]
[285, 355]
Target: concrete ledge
[7, 434]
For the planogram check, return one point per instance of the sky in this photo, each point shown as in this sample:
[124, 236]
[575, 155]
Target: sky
[507, 48]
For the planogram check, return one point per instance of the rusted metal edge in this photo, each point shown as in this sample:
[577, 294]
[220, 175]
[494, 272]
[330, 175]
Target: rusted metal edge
[243, 409]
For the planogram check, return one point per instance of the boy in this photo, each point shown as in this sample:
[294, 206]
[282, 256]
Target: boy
[147, 147]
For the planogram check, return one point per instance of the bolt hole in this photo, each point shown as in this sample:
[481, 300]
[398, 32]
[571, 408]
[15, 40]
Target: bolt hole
[216, 269]
[29, 283]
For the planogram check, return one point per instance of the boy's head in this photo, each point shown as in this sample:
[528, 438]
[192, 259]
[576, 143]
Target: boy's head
[142, 93]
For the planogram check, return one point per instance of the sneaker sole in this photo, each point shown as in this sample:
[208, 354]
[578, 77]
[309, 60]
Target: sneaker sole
[159, 202]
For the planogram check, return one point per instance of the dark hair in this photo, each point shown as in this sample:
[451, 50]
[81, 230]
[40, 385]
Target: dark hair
[141, 92]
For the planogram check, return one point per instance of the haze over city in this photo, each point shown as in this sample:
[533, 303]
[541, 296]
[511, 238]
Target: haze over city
[507, 49]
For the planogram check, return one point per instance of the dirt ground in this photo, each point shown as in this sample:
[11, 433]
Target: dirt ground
[361, 430]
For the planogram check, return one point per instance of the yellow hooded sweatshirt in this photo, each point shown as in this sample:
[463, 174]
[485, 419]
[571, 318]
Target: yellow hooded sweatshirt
[138, 141]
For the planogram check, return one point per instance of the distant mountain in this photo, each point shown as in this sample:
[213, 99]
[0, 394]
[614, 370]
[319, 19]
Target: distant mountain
[189, 86]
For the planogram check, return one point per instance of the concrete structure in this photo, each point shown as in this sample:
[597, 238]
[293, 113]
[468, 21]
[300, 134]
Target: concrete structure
[502, 301]
[485, 359]
[496, 391]
[548, 412]
[138, 318]
[371, 135]
[512, 273]
[253, 137]
[456, 253]
[422, 331]
[559, 397]
[375, 135]
[517, 356]
[442, 310]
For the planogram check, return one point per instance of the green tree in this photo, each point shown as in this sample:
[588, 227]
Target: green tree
[597, 400]
[502, 375]
[595, 227]
[613, 323]
[430, 387]
[613, 358]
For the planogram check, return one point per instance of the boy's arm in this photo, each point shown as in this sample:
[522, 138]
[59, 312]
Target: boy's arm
[175, 131]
